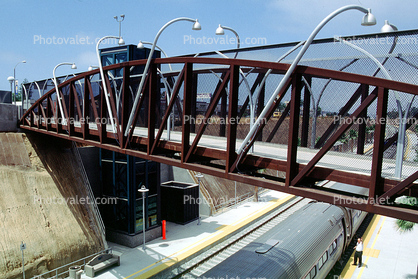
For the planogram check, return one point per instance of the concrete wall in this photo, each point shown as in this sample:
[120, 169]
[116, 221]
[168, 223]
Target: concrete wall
[8, 118]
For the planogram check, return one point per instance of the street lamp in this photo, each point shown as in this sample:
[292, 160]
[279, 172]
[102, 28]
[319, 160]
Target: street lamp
[403, 115]
[73, 66]
[106, 94]
[367, 20]
[141, 46]
[388, 27]
[220, 31]
[120, 22]
[143, 190]
[196, 26]
[199, 176]
[14, 78]
[11, 80]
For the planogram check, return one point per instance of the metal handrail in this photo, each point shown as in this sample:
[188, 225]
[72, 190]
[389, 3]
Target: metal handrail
[96, 211]
[55, 270]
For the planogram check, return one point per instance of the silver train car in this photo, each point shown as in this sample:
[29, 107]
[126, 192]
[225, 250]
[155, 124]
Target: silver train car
[307, 244]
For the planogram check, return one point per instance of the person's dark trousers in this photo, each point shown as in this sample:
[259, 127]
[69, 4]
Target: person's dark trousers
[358, 255]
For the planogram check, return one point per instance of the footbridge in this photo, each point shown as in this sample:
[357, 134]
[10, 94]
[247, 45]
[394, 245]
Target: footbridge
[198, 116]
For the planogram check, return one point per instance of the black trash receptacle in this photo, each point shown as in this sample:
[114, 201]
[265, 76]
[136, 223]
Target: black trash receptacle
[179, 202]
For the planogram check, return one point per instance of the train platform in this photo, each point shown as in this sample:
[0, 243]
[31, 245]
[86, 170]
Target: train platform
[387, 254]
[183, 241]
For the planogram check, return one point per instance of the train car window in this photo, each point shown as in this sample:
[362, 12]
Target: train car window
[322, 260]
[333, 247]
[311, 273]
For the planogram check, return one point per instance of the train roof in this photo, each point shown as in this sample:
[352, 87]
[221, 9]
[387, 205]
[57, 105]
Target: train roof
[289, 249]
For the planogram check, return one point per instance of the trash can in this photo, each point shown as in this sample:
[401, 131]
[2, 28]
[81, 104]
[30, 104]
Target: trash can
[75, 272]
[179, 202]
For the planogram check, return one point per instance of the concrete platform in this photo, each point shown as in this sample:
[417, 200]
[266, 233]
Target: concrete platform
[388, 254]
[185, 240]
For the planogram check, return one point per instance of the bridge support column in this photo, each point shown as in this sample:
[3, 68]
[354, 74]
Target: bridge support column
[292, 166]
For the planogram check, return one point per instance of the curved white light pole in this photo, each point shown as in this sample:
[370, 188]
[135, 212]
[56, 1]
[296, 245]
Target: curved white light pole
[403, 116]
[109, 108]
[14, 78]
[377, 62]
[73, 66]
[141, 46]
[220, 31]
[196, 26]
[368, 20]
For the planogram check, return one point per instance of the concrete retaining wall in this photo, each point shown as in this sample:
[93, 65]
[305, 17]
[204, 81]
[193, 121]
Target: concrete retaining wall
[8, 118]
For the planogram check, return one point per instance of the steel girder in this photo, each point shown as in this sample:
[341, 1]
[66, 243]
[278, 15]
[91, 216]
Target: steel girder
[189, 152]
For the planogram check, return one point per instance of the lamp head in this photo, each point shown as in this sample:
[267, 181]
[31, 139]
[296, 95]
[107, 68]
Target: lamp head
[220, 30]
[122, 16]
[143, 189]
[368, 19]
[73, 66]
[90, 68]
[11, 79]
[196, 25]
[24, 61]
[121, 41]
[388, 27]
[140, 45]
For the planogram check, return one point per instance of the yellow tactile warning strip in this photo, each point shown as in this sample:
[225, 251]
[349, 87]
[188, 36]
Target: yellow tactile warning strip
[374, 242]
[222, 231]
[368, 252]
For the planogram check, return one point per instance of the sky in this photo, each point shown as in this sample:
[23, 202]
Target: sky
[48, 32]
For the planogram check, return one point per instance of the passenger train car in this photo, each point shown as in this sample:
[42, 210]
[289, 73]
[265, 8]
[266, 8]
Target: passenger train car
[307, 244]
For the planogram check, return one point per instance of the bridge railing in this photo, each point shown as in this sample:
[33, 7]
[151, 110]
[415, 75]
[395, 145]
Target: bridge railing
[178, 111]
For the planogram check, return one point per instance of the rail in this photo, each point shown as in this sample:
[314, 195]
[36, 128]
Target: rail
[96, 212]
[55, 273]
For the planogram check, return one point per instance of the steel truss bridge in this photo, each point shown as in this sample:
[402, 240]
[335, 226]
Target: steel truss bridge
[82, 111]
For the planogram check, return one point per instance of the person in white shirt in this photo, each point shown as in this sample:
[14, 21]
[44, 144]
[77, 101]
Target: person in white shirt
[359, 252]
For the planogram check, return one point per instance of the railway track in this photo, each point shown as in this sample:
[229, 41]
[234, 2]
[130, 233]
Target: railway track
[207, 260]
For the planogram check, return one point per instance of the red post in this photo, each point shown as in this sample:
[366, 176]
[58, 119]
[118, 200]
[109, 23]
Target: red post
[164, 225]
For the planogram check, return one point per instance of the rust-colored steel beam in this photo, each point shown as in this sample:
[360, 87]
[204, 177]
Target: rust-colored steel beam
[137, 110]
[376, 187]
[292, 147]
[211, 108]
[306, 113]
[173, 100]
[125, 104]
[153, 95]
[343, 111]
[270, 112]
[362, 126]
[334, 139]
[223, 162]
[187, 99]
[232, 122]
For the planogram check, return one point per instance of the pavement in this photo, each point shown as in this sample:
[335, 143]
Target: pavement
[388, 253]
[182, 241]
